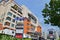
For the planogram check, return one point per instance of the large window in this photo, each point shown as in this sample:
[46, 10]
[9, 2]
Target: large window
[0, 20]
[8, 18]
[0, 1]
[12, 25]
[13, 20]
[9, 14]
[32, 18]
[7, 23]
[17, 8]
[20, 10]
[14, 16]
[20, 24]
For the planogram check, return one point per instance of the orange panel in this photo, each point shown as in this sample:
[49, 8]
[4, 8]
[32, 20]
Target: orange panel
[39, 29]
[1, 26]
[26, 26]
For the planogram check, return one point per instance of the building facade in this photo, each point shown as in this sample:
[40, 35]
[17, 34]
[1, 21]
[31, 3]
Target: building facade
[17, 20]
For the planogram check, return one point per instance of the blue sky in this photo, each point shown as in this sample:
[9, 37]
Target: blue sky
[36, 6]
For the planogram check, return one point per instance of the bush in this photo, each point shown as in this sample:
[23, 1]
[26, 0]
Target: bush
[59, 38]
[27, 39]
[7, 37]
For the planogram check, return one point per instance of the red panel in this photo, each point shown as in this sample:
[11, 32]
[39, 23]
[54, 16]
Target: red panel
[19, 36]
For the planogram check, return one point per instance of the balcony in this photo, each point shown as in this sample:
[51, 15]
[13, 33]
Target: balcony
[19, 22]
[18, 9]
[31, 30]
[32, 18]
[9, 32]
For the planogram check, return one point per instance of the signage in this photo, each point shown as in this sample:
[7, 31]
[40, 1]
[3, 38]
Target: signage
[51, 36]
[19, 35]
[19, 30]
[19, 18]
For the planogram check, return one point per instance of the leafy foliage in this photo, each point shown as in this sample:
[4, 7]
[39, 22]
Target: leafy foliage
[51, 13]
[7, 37]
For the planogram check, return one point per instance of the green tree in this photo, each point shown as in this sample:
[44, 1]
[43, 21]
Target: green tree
[51, 13]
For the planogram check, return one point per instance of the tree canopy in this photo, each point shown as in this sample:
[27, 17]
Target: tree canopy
[51, 13]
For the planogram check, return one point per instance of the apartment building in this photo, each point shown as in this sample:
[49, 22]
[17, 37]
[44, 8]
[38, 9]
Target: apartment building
[17, 20]
[8, 11]
[28, 25]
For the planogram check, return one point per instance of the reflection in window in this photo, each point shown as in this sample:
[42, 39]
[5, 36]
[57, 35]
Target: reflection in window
[15, 7]
[12, 25]
[20, 10]
[0, 1]
[0, 20]
[8, 18]
[9, 14]
[32, 18]
[13, 20]
[14, 16]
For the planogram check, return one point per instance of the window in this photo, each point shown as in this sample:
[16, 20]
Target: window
[20, 24]
[0, 1]
[12, 25]
[18, 28]
[9, 14]
[13, 20]
[8, 18]
[0, 20]
[14, 16]
[13, 32]
[32, 18]
[15, 7]
[20, 10]
[7, 23]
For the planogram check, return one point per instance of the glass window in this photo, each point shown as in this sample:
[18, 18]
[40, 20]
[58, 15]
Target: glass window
[12, 25]
[15, 7]
[13, 20]
[14, 16]
[8, 18]
[20, 24]
[0, 1]
[0, 20]
[7, 23]
[20, 10]
[9, 14]
[13, 32]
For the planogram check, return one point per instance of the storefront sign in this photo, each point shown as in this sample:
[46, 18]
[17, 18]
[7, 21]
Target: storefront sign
[19, 30]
